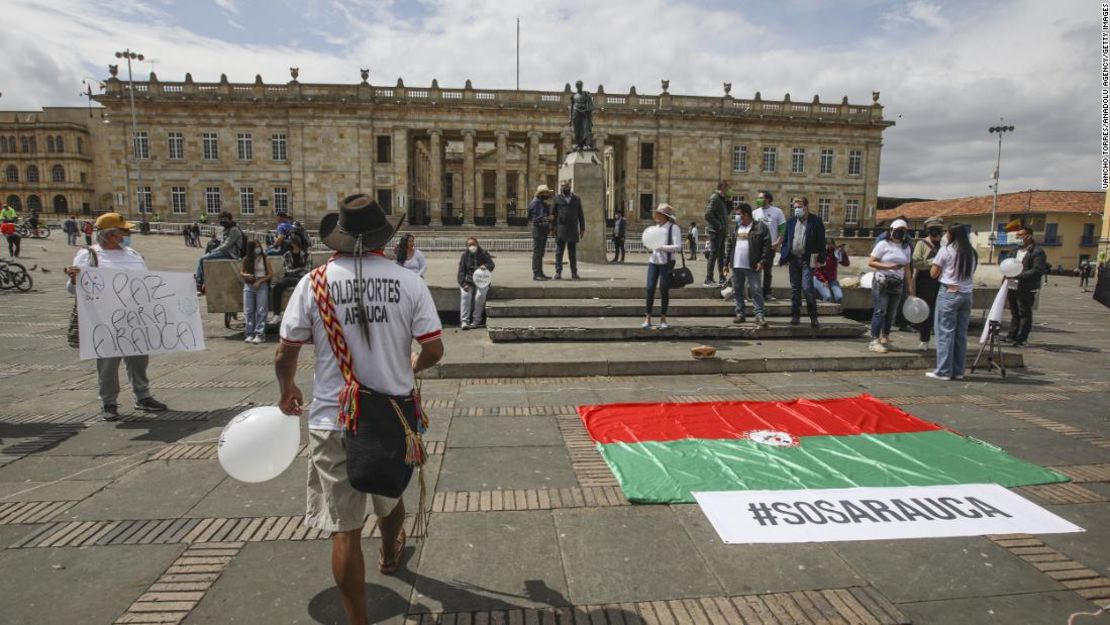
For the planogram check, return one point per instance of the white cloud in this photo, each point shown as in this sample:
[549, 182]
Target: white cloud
[1035, 63]
[230, 6]
[916, 12]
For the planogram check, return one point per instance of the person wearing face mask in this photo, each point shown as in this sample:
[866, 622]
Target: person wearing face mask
[828, 287]
[891, 259]
[1023, 288]
[233, 246]
[113, 250]
[924, 283]
[472, 302]
[803, 249]
[749, 251]
[773, 218]
[570, 225]
[255, 273]
[716, 229]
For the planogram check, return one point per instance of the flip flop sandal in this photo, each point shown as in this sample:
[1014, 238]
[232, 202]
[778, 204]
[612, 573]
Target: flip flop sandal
[389, 568]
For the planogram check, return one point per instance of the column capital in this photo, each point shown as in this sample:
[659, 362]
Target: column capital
[469, 132]
[501, 134]
[435, 132]
[534, 135]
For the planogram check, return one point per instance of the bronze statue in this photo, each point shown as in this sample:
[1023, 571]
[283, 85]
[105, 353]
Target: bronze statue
[581, 118]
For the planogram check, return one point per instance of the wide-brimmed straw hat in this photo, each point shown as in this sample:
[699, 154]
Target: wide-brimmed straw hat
[108, 221]
[542, 189]
[360, 220]
[667, 210]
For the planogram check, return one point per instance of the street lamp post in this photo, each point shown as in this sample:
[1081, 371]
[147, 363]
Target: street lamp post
[129, 55]
[999, 130]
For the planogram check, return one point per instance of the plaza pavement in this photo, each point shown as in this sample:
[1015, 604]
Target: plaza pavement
[135, 522]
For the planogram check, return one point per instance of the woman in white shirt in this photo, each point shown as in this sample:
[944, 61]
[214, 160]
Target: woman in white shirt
[891, 259]
[113, 251]
[256, 275]
[409, 257]
[661, 264]
[954, 265]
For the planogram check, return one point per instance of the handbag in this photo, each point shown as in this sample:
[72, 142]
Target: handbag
[73, 333]
[682, 276]
[890, 285]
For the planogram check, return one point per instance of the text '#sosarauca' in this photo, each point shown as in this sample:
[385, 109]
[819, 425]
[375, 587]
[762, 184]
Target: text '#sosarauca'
[893, 510]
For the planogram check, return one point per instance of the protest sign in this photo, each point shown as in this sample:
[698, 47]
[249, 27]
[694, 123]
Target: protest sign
[128, 313]
[784, 516]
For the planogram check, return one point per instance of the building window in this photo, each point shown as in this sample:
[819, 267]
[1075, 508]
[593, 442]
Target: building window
[798, 161]
[61, 204]
[177, 200]
[855, 162]
[58, 173]
[385, 149]
[80, 145]
[246, 200]
[770, 156]
[211, 146]
[146, 199]
[736, 200]
[851, 212]
[277, 147]
[385, 199]
[281, 199]
[212, 203]
[246, 146]
[739, 158]
[50, 143]
[142, 145]
[177, 146]
[24, 144]
[32, 173]
[826, 161]
[3, 145]
[84, 178]
[647, 156]
[13, 201]
[34, 203]
[647, 205]
[824, 209]
[11, 173]
[59, 144]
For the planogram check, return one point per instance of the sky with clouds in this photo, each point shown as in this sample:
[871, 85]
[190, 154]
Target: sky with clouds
[947, 70]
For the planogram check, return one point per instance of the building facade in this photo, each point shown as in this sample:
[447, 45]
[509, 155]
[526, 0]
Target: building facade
[467, 156]
[1066, 223]
[47, 160]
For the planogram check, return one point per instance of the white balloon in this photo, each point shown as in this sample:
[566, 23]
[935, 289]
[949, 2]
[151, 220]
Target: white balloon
[482, 278]
[866, 280]
[654, 237]
[915, 310]
[1010, 267]
[259, 444]
[727, 292]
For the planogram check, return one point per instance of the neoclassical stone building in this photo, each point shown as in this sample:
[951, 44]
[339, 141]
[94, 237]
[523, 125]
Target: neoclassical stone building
[46, 160]
[467, 156]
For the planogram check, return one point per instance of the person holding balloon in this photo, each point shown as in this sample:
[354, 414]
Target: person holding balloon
[475, 266]
[954, 265]
[1024, 286]
[664, 239]
[890, 258]
[927, 286]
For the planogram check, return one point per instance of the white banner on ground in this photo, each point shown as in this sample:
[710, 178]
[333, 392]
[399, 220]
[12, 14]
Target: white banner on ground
[802, 516]
[128, 313]
[997, 308]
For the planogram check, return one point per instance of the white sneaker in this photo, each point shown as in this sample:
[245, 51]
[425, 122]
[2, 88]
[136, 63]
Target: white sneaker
[258, 340]
[876, 346]
[923, 346]
[249, 339]
[932, 374]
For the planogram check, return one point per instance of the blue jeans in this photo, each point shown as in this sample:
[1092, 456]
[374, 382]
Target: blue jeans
[952, 316]
[884, 307]
[256, 303]
[754, 280]
[830, 292]
[801, 282]
[199, 274]
[660, 274]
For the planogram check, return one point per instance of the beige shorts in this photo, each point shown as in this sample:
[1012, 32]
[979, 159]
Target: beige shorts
[333, 504]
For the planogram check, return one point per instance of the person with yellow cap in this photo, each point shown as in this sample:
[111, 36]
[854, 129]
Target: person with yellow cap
[113, 250]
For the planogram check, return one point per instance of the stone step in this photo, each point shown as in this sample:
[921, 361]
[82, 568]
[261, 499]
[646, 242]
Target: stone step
[504, 330]
[604, 307]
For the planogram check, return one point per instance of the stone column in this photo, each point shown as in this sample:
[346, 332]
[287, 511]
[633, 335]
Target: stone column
[468, 176]
[631, 177]
[435, 182]
[401, 156]
[535, 176]
[501, 186]
[523, 194]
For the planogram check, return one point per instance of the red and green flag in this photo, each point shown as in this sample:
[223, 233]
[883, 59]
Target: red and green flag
[661, 453]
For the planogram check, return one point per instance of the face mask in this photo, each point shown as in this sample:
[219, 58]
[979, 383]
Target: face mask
[737, 219]
[126, 241]
[473, 249]
[760, 202]
[897, 235]
[935, 232]
[798, 211]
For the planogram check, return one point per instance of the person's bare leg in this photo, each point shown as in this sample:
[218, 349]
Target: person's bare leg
[350, 574]
[391, 525]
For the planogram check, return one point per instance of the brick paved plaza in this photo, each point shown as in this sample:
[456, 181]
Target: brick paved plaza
[135, 521]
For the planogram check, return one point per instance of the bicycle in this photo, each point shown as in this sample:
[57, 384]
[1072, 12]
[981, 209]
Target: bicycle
[14, 276]
[26, 231]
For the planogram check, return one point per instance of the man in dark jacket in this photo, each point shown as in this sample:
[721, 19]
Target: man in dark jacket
[620, 229]
[716, 229]
[749, 251]
[803, 248]
[1023, 288]
[570, 225]
[540, 217]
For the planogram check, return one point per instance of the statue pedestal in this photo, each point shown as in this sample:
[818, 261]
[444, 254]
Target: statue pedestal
[587, 181]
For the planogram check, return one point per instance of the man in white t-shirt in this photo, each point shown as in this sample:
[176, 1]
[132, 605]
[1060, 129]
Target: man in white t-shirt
[381, 308]
[775, 221]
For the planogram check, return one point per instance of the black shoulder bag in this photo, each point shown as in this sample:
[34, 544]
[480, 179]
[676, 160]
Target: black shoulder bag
[682, 276]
